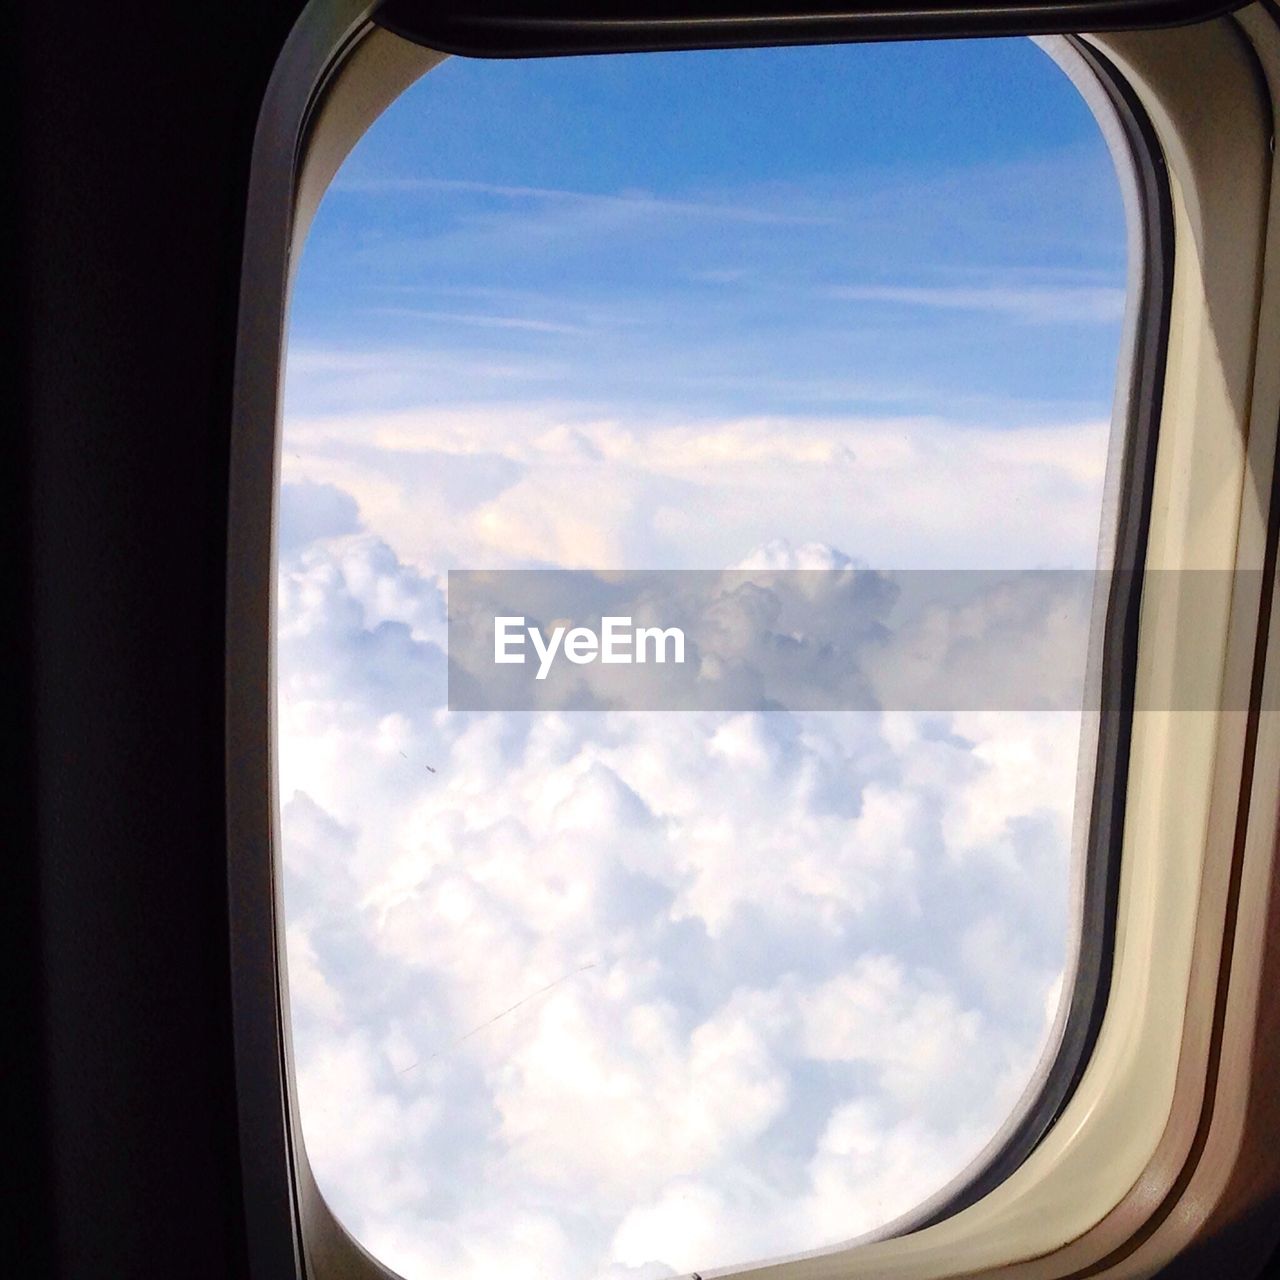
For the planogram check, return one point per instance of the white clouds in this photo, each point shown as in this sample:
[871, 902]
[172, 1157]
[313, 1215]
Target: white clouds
[605, 1100]
[356, 1130]
[1021, 758]
[312, 511]
[625, 204]
[779, 555]
[501, 487]
[625, 994]
[1078, 304]
[909, 1029]
[872, 1166]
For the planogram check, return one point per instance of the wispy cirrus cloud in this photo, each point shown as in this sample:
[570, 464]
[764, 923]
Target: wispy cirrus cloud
[1082, 304]
[625, 201]
[482, 320]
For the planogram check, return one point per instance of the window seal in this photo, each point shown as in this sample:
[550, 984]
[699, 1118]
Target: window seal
[1095, 919]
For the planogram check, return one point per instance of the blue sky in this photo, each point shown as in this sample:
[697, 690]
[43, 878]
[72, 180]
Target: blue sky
[835, 229]
[617, 996]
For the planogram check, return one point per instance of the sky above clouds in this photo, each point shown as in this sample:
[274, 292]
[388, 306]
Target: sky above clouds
[605, 994]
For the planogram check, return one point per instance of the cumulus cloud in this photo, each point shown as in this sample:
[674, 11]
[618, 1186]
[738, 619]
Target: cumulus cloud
[309, 512]
[625, 994]
[503, 486]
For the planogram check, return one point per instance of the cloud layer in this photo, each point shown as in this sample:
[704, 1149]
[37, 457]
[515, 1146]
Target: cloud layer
[630, 994]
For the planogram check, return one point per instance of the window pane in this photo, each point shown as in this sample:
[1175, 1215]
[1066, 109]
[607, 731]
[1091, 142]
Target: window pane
[579, 993]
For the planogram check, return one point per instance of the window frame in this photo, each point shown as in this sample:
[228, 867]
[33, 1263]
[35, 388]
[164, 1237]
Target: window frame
[337, 72]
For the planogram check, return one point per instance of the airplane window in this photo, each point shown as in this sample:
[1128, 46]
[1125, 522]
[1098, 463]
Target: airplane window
[677, 965]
